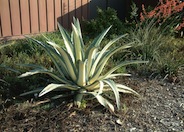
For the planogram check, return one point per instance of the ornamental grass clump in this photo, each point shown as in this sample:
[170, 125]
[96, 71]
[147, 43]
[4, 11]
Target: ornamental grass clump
[167, 12]
[80, 69]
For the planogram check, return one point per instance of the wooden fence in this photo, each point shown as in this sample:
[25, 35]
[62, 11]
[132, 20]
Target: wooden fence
[20, 17]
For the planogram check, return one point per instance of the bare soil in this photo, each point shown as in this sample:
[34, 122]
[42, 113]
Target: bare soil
[161, 108]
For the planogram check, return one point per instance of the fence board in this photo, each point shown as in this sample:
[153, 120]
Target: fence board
[0, 25]
[34, 16]
[65, 13]
[50, 15]
[24, 6]
[19, 17]
[42, 16]
[84, 9]
[15, 17]
[57, 12]
[5, 18]
[71, 10]
[78, 9]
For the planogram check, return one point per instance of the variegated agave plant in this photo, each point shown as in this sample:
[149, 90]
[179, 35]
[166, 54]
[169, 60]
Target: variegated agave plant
[80, 69]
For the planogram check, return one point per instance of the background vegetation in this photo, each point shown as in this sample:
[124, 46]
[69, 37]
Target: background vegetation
[164, 51]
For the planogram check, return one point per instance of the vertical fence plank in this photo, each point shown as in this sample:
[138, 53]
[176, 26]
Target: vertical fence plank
[24, 5]
[65, 13]
[50, 15]
[78, 9]
[42, 16]
[57, 12]
[34, 16]
[84, 9]
[0, 25]
[0, 31]
[71, 10]
[5, 18]
[15, 17]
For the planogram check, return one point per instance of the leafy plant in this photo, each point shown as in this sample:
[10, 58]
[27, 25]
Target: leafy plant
[148, 39]
[104, 19]
[3, 66]
[16, 52]
[167, 12]
[172, 57]
[80, 69]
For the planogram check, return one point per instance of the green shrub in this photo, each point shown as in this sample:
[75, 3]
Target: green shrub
[79, 69]
[104, 19]
[172, 57]
[16, 52]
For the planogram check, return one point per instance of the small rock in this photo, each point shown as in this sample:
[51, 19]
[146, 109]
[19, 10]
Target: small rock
[168, 122]
[132, 129]
[118, 121]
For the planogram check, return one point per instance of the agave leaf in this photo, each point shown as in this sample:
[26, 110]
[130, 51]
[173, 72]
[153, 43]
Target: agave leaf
[50, 51]
[103, 101]
[125, 89]
[67, 59]
[77, 25]
[8, 68]
[46, 37]
[67, 41]
[110, 53]
[97, 41]
[77, 44]
[101, 87]
[102, 52]
[114, 88]
[113, 76]
[93, 86]
[91, 57]
[121, 65]
[103, 62]
[44, 71]
[53, 86]
[32, 92]
[82, 73]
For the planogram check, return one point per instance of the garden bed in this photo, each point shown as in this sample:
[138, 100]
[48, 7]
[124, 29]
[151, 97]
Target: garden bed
[161, 108]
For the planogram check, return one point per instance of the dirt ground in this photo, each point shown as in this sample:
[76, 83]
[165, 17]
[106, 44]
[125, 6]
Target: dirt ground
[160, 109]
